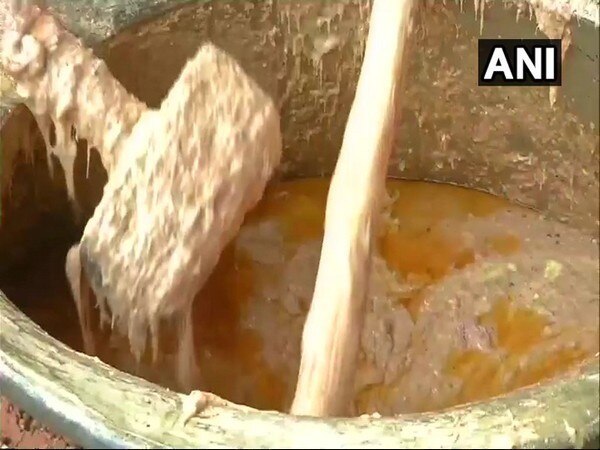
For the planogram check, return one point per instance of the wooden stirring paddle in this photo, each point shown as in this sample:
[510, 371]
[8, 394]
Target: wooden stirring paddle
[334, 324]
[181, 176]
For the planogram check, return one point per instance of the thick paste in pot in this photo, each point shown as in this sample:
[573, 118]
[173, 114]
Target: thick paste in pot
[470, 297]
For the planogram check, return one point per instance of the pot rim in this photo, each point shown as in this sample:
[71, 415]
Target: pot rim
[99, 406]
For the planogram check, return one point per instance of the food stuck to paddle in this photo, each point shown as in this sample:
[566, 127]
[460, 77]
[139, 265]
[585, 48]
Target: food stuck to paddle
[331, 336]
[70, 92]
[181, 177]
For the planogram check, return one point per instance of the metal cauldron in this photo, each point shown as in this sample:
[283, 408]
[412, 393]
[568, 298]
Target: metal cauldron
[307, 54]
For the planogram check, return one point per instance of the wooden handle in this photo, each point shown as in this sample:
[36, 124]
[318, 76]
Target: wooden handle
[335, 321]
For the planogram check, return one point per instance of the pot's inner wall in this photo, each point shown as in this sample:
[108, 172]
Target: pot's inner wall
[507, 141]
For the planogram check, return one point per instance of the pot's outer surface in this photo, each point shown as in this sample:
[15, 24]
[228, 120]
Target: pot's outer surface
[507, 141]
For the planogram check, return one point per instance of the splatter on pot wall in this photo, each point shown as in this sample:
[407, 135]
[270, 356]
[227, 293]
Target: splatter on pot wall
[296, 55]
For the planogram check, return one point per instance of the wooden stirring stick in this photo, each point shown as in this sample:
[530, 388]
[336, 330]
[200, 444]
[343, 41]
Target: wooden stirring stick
[334, 324]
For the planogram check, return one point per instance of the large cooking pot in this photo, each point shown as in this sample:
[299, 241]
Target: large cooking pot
[507, 141]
